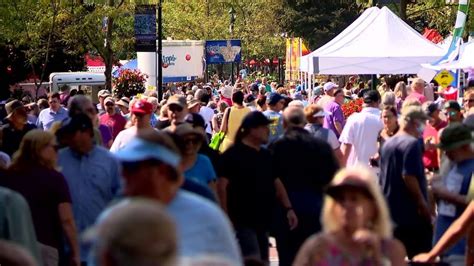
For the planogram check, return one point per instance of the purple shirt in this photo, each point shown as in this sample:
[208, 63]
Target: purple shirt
[106, 134]
[335, 115]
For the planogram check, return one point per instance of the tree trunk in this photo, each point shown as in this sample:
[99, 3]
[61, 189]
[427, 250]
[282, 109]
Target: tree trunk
[403, 9]
[109, 55]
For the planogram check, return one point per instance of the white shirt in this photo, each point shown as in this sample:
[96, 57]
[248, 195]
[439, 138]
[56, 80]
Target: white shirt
[124, 137]
[361, 131]
[207, 113]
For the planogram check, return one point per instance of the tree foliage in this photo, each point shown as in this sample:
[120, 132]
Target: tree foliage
[319, 21]
[258, 23]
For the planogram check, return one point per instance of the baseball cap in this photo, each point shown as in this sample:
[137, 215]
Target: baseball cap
[109, 100]
[196, 120]
[249, 98]
[274, 98]
[452, 105]
[187, 129]
[12, 106]
[78, 122]
[142, 107]
[371, 96]
[254, 87]
[411, 113]
[318, 91]
[103, 93]
[138, 150]
[178, 100]
[430, 107]
[455, 136]
[329, 86]
[255, 119]
[124, 101]
[350, 181]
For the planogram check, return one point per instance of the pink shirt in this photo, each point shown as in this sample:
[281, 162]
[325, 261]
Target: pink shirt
[415, 95]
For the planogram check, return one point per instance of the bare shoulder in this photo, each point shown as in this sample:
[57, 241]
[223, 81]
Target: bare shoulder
[312, 250]
[395, 251]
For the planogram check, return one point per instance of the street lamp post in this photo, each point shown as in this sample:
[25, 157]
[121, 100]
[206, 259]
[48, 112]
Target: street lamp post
[231, 31]
[159, 77]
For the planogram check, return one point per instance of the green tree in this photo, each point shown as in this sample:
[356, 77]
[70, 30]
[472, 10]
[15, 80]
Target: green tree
[258, 23]
[32, 31]
[319, 21]
[107, 27]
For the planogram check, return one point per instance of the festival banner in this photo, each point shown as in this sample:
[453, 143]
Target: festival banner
[223, 51]
[295, 48]
[145, 28]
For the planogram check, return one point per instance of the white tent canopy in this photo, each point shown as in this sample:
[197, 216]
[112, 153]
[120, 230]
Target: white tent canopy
[378, 42]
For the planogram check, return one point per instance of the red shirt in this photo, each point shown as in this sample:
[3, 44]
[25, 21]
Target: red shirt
[115, 122]
[430, 156]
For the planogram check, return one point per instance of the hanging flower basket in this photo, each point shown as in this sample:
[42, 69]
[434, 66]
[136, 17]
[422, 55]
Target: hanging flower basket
[130, 82]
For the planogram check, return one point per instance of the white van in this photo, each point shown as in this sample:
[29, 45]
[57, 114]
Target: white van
[90, 83]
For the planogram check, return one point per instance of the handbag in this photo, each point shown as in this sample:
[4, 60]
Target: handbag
[216, 140]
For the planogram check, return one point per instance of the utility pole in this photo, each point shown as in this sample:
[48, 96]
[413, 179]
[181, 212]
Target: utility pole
[159, 83]
[231, 31]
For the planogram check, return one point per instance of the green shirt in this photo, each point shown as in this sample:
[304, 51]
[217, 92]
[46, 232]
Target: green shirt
[16, 224]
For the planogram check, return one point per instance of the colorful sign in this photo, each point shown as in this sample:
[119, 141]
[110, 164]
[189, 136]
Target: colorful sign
[145, 28]
[223, 51]
[294, 50]
[444, 78]
[182, 60]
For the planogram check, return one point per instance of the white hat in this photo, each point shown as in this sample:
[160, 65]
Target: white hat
[321, 113]
[226, 91]
[329, 86]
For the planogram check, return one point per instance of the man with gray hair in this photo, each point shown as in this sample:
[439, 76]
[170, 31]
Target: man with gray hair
[151, 169]
[135, 232]
[403, 182]
[304, 177]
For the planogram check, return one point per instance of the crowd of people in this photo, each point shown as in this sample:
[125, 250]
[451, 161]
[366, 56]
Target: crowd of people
[208, 174]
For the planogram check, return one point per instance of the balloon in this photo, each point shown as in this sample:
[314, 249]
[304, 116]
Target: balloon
[188, 57]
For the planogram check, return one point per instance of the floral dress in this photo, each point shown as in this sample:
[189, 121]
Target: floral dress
[320, 250]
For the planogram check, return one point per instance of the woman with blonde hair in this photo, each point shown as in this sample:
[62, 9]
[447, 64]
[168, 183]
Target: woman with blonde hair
[33, 173]
[217, 118]
[401, 93]
[356, 225]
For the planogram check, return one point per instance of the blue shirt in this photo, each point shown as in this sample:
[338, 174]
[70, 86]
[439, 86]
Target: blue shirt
[457, 181]
[93, 181]
[202, 171]
[401, 155]
[202, 228]
[276, 125]
[47, 117]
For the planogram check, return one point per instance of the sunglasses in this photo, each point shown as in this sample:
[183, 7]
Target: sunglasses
[451, 113]
[175, 108]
